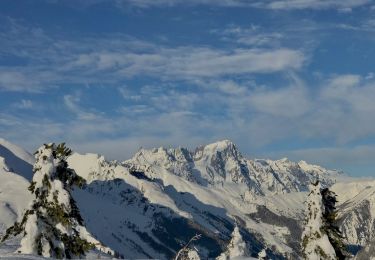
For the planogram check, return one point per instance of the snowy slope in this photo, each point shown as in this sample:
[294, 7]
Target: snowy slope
[357, 210]
[16, 159]
[152, 204]
[266, 196]
[14, 196]
[213, 187]
[144, 213]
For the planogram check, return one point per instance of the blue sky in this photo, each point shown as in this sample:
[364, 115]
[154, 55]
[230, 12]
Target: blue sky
[280, 78]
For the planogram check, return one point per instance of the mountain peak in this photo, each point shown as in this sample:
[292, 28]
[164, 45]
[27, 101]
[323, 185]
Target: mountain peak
[221, 145]
[224, 146]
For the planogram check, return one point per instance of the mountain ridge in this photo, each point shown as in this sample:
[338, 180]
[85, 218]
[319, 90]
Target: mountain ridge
[221, 162]
[162, 197]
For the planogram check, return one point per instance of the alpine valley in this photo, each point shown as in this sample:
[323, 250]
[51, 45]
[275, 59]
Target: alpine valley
[151, 205]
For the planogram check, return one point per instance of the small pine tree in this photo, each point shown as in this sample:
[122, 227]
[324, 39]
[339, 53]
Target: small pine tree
[53, 226]
[188, 252]
[315, 242]
[330, 223]
[235, 248]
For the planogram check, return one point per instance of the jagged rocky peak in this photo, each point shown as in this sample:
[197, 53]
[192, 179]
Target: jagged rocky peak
[225, 148]
[207, 164]
[221, 162]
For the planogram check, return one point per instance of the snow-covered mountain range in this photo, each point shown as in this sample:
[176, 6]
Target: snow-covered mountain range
[150, 205]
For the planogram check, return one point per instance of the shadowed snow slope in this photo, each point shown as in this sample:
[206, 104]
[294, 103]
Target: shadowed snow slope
[16, 159]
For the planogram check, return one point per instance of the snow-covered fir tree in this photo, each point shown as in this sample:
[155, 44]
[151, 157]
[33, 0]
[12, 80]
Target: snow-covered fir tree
[53, 226]
[189, 252]
[236, 247]
[315, 242]
[330, 225]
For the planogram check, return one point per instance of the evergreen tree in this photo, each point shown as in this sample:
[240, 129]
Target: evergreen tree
[235, 248]
[330, 223]
[315, 241]
[188, 252]
[53, 226]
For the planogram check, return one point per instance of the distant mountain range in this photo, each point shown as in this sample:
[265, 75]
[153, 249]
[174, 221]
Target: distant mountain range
[150, 205]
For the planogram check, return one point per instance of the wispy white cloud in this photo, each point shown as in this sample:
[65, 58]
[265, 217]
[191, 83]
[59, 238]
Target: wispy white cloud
[251, 115]
[52, 62]
[26, 79]
[288, 102]
[252, 36]
[314, 4]
[23, 104]
[272, 4]
[190, 62]
[72, 103]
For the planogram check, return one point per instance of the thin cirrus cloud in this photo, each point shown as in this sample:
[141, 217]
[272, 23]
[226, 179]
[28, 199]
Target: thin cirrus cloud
[314, 4]
[187, 62]
[51, 62]
[171, 64]
[269, 4]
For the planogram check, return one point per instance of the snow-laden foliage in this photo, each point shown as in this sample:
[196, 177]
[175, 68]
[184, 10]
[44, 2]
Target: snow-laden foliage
[53, 226]
[330, 225]
[236, 247]
[315, 242]
[188, 252]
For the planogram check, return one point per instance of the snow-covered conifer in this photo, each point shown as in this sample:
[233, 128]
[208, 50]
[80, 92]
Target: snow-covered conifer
[188, 252]
[235, 248]
[315, 242]
[52, 226]
[330, 223]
